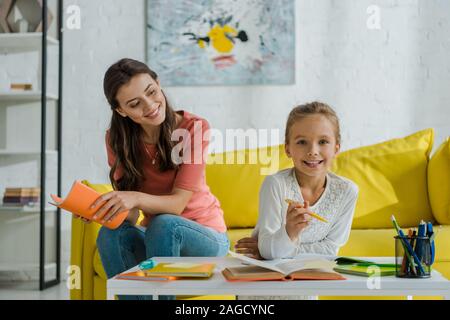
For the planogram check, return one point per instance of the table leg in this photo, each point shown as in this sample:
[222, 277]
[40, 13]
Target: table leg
[110, 295]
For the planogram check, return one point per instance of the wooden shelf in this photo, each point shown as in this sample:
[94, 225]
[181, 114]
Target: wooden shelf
[25, 209]
[6, 152]
[24, 41]
[10, 266]
[25, 96]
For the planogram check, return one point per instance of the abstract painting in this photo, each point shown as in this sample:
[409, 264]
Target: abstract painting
[221, 42]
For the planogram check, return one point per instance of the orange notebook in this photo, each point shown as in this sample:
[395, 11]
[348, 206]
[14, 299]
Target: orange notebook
[257, 273]
[79, 200]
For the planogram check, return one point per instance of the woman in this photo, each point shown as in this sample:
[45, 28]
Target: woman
[182, 217]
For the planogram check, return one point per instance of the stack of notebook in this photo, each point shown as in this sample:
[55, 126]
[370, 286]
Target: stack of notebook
[171, 271]
[21, 196]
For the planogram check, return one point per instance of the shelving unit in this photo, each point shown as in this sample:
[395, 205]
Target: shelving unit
[26, 42]
[4, 152]
[29, 96]
[26, 209]
[24, 266]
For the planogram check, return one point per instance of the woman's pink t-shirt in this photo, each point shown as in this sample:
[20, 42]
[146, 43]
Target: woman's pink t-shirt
[203, 207]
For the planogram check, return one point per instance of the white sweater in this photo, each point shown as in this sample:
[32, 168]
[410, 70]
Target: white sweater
[337, 205]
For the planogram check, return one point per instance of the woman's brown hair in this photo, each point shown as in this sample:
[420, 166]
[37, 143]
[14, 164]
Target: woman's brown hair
[125, 136]
[312, 108]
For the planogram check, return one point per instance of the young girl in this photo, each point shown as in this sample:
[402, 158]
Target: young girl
[182, 217]
[312, 140]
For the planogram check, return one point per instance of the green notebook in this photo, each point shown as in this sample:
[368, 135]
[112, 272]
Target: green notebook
[366, 270]
[348, 260]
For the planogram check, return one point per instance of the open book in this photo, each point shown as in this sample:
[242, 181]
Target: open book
[301, 268]
[79, 200]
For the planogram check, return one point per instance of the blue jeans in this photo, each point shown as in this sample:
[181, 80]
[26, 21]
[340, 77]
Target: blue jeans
[166, 236]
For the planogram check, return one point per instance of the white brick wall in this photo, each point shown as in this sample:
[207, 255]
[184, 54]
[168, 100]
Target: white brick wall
[383, 83]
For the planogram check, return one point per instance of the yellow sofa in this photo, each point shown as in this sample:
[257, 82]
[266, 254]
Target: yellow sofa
[394, 177]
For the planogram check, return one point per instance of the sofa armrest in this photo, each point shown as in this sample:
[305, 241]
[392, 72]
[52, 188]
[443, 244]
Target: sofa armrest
[83, 246]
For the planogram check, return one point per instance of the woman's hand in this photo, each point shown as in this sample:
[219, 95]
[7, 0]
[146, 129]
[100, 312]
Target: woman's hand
[297, 219]
[87, 221]
[248, 247]
[114, 203]
[133, 216]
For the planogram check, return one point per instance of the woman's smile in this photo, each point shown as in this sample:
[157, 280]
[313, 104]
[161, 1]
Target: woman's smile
[153, 114]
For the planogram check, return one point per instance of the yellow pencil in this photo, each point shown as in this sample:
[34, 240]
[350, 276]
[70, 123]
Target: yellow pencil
[312, 214]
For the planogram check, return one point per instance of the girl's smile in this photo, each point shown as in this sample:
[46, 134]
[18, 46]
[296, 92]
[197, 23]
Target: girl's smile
[313, 164]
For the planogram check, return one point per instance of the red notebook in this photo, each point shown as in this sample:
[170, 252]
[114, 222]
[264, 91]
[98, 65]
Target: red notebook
[79, 200]
[303, 267]
[256, 273]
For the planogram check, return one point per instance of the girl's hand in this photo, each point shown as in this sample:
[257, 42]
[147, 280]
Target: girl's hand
[248, 247]
[297, 219]
[116, 202]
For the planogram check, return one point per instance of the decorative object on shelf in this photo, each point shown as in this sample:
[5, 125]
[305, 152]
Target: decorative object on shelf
[26, 16]
[22, 25]
[21, 196]
[21, 86]
[5, 8]
[224, 42]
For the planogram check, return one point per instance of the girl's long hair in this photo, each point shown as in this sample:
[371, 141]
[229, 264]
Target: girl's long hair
[125, 136]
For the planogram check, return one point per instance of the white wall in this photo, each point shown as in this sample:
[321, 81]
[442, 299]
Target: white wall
[109, 31]
[383, 83]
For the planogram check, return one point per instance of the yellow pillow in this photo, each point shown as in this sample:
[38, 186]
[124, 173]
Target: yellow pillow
[392, 180]
[439, 183]
[101, 188]
[237, 185]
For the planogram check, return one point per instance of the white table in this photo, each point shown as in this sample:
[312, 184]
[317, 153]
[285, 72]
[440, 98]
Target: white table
[437, 285]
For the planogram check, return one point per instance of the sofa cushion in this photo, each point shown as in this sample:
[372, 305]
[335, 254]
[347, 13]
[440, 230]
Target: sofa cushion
[235, 234]
[439, 183]
[380, 243]
[99, 288]
[101, 188]
[392, 180]
[237, 185]
[98, 266]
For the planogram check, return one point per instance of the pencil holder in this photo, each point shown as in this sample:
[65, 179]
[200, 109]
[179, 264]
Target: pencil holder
[412, 257]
